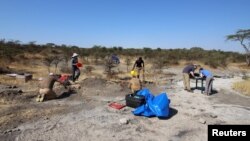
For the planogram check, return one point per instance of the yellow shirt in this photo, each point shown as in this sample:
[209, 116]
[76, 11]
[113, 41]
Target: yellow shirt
[135, 84]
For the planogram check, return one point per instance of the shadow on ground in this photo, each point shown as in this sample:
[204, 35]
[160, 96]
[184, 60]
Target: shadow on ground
[172, 113]
[65, 94]
[202, 90]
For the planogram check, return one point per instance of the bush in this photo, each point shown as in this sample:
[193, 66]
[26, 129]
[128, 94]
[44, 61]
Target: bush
[242, 87]
[212, 63]
[65, 69]
[216, 61]
[89, 69]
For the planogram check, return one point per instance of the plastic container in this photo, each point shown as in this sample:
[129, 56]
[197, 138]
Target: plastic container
[134, 73]
[134, 101]
[79, 65]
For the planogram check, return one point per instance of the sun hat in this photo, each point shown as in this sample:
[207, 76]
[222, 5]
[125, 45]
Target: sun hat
[74, 55]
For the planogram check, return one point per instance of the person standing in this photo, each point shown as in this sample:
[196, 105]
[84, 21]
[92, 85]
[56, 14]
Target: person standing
[75, 69]
[209, 80]
[139, 66]
[187, 71]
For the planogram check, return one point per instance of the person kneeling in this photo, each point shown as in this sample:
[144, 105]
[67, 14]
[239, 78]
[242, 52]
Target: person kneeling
[46, 91]
[135, 84]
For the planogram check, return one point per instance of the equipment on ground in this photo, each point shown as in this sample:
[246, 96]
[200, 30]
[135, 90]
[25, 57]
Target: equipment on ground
[134, 101]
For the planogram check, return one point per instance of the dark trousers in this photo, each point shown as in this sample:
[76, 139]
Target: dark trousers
[75, 73]
[209, 83]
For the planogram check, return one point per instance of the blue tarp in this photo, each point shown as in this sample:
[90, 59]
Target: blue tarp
[154, 106]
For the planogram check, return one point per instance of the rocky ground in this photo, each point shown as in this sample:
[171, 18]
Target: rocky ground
[85, 114]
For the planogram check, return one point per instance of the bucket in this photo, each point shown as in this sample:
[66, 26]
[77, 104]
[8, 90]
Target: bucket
[134, 73]
[79, 65]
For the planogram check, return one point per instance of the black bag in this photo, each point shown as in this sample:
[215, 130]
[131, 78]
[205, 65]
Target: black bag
[134, 101]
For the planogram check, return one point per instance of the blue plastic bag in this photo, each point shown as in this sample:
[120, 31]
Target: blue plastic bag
[154, 106]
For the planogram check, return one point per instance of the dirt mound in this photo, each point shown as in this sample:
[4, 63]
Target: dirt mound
[102, 87]
[94, 82]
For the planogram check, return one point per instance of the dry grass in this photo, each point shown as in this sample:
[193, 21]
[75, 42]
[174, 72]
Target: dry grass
[33, 56]
[243, 87]
[10, 80]
[36, 70]
[31, 85]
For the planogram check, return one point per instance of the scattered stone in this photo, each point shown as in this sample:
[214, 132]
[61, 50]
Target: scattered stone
[40, 79]
[175, 138]
[213, 116]
[201, 110]
[75, 86]
[176, 105]
[20, 91]
[133, 121]
[202, 121]
[8, 131]
[140, 129]
[124, 121]
[124, 109]
[119, 99]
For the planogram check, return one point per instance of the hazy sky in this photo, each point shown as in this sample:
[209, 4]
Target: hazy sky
[126, 23]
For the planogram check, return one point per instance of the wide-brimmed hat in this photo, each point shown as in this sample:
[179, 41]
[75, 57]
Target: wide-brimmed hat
[74, 55]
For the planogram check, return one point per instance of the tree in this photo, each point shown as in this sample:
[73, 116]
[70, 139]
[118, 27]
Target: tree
[128, 62]
[56, 61]
[159, 49]
[159, 62]
[2, 41]
[48, 61]
[243, 36]
[109, 65]
[50, 44]
[32, 43]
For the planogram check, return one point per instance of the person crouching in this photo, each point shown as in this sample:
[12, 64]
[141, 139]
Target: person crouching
[46, 91]
[135, 84]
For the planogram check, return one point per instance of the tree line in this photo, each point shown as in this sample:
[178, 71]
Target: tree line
[14, 51]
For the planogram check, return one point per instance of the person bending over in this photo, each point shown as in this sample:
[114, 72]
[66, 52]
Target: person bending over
[187, 71]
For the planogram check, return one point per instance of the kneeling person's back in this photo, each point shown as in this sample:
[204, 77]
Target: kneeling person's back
[46, 91]
[135, 84]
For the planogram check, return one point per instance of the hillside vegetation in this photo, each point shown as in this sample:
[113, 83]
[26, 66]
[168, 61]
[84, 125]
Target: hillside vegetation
[13, 51]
